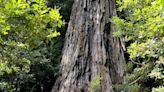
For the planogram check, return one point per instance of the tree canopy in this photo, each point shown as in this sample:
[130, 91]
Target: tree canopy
[142, 26]
[25, 25]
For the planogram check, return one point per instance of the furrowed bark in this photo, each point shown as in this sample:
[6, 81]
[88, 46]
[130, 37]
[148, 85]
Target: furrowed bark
[90, 49]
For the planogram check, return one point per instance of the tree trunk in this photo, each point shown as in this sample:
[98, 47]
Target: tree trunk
[90, 49]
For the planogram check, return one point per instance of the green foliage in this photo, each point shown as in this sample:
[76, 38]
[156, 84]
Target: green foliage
[26, 20]
[159, 89]
[24, 26]
[65, 7]
[94, 84]
[143, 25]
[127, 88]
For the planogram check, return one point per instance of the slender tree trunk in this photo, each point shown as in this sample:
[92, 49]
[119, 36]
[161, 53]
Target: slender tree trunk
[90, 49]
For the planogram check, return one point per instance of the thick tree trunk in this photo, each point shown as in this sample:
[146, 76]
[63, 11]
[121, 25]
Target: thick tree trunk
[90, 49]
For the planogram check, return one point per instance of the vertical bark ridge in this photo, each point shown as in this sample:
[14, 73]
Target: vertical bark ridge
[90, 49]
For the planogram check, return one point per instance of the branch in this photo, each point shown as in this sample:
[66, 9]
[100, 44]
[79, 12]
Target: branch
[136, 62]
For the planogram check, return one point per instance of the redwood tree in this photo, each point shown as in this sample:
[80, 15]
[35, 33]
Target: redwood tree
[90, 49]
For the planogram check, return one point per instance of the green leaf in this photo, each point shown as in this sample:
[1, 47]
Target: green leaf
[19, 1]
[8, 6]
[54, 34]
